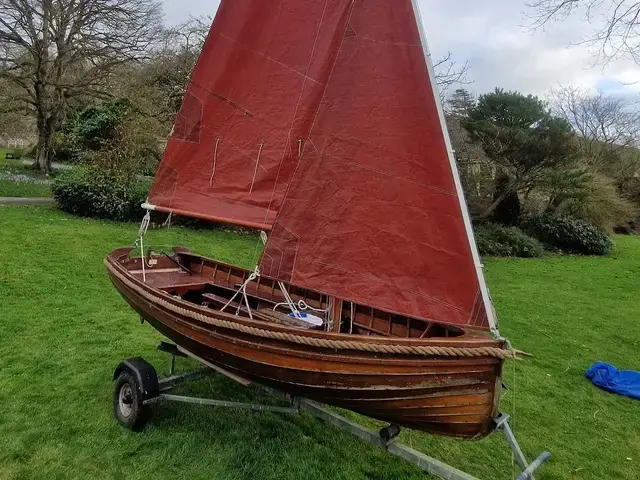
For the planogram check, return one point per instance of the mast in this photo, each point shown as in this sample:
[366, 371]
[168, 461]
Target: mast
[456, 175]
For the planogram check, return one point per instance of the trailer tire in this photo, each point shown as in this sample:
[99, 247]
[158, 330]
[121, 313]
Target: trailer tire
[128, 406]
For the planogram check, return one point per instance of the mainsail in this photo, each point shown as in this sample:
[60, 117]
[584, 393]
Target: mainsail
[318, 120]
[374, 212]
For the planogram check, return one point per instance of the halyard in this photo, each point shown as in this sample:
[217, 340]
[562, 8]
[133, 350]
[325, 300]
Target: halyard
[63, 329]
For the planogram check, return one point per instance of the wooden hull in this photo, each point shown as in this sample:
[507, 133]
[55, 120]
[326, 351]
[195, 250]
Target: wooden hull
[449, 396]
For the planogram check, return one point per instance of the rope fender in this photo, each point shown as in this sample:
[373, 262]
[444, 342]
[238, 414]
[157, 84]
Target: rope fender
[467, 352]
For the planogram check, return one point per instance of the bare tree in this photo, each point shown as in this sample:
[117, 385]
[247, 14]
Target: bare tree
[157, 85]
[618, 35]
[188, 36]
[449, 72]
[57, 50]
[607, 125]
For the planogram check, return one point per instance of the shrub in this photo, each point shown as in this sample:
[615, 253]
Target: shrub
[88, 192]
[111, 135]
[499, 241]
[602, 205]
[568, 234]
[98, 125]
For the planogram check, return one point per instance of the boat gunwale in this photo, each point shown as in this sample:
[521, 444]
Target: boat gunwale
[467, 339]
[192, 329]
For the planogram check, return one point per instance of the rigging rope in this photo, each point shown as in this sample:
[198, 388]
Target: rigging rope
[513, 409]
[243, 290]
[144, 226]
[288, 299]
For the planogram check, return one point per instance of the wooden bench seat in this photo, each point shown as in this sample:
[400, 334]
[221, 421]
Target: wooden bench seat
[170, 278]
[284, 319]
[217, 302]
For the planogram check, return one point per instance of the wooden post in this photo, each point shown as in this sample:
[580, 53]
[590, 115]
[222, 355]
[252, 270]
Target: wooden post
[335, 313]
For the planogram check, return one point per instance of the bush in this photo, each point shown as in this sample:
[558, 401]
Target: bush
[98, 125]
[113, 135]
[601, 206]
[568, 234]
[499, 241]
[88, 192]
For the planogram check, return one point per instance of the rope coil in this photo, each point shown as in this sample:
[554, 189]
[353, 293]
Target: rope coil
[435, 351]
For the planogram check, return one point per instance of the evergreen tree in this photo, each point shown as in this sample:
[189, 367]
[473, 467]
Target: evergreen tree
[461, 102]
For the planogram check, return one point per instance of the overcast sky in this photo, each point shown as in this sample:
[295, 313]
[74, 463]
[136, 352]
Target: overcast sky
[501, 50]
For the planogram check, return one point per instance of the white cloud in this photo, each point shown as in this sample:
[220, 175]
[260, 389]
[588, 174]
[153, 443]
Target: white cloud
[501, 51]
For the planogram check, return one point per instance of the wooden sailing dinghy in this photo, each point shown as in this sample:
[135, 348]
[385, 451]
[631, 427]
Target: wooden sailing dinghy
[317, 121]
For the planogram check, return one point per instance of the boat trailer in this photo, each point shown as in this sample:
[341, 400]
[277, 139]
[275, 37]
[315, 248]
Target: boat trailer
[137, 386]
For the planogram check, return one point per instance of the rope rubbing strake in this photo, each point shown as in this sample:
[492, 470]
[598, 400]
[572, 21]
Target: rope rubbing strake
[434, 351]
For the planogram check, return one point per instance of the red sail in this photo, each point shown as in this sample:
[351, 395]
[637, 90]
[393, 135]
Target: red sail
[373, 213]
[248, 108]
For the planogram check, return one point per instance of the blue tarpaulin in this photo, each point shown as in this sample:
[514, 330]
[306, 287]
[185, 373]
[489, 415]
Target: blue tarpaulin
[609, 378]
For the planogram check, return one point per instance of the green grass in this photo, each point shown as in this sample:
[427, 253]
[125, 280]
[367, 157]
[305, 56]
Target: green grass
[19, 167]
[9, 188]
[22, 187]
[63, 329]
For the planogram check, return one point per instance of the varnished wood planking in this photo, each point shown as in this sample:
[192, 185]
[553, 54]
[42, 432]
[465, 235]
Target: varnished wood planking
[444, 395]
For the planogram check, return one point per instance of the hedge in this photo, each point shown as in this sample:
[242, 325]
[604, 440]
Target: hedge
[88, 192]
[499, 241]
[567, 234]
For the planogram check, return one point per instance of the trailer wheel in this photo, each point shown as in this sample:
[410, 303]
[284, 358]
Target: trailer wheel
[128, 407]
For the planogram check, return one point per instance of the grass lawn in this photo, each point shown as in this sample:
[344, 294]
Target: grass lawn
[16, 166]
[63, 329]
[19, 180]
[10, 188]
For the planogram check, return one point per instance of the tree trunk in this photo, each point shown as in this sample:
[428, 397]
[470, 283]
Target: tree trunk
[44, 151]
[508, 208]
[504, 189]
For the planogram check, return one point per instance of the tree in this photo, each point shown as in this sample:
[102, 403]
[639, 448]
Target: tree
[608, 126]
[619, 33]
[157, 85]
[476, 169]
[460, 102]
[16, 125]
[59, 50]
[523, 139]
[449, 72]
[609, 130]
